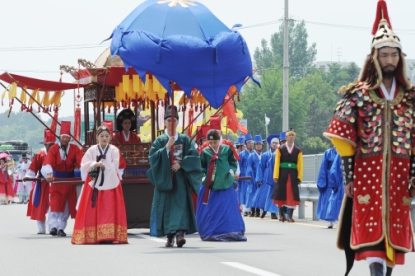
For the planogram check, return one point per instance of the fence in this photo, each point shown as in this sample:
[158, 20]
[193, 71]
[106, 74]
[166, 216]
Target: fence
[309, 191]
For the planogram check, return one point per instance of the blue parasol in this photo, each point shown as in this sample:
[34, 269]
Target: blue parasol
[182, 41]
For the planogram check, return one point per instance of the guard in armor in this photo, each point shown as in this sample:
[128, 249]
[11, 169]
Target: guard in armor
[373, 131]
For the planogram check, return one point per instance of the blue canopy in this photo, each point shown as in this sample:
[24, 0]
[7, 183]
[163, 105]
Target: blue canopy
[182, 41]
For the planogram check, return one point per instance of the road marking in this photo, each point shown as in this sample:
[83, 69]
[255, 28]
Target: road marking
[150, 238]
[309, 224]
[250, 269]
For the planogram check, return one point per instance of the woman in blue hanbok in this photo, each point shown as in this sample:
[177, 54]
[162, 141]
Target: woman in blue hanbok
[252, 167]
[265, 180]
[217, 214]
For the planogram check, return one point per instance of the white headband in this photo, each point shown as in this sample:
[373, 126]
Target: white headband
[276, 140]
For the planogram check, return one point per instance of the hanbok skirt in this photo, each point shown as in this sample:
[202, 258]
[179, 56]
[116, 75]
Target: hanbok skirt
[220, 219]
[104, 223]
[6, 191]
[38, 212]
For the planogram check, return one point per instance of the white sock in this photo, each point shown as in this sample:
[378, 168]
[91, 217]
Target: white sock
[372, 260]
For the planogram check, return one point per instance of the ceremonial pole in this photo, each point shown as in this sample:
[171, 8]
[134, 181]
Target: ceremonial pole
[285, 107]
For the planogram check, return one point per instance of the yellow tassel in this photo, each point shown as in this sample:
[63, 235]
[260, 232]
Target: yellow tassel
[45, 100]
[131, 93]
[38, 97]
[34, 96]
[4, 94]
[56, 98]
[126, 83]
[151, 95]
[13, 91]
[23, 96]
[120, 93]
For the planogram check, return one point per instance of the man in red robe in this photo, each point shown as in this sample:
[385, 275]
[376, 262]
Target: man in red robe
[60, 162]
[39, 196]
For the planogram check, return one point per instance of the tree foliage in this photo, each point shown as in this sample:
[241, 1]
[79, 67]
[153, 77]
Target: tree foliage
[312, 92]
[301, 56]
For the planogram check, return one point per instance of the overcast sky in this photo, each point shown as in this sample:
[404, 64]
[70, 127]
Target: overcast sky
[341, 29]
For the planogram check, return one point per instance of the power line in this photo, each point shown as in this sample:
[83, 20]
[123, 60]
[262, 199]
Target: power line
[30, 71]
[350, 27]
[53, 48]
[90, 46]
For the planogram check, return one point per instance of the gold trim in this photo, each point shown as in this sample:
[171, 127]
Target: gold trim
[90, 235]
[396, 101]
[329, 135]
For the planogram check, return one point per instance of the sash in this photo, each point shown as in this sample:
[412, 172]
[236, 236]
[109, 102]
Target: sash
[95, 192]
[63, 174]
[211, 168]
[288, 165]
[38, 191]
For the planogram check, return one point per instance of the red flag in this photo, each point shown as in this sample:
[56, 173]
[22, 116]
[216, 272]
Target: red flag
[242, 129]
[230, 112]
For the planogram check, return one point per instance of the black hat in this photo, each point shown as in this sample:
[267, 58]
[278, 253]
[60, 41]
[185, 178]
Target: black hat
[168, 113]
[24, 155]
[126, 114]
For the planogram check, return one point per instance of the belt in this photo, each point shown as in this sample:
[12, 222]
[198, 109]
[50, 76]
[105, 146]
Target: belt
[63, 174]
[288, 165]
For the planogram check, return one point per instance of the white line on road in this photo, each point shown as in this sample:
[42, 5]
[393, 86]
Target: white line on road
[250, 269]
[150, 238]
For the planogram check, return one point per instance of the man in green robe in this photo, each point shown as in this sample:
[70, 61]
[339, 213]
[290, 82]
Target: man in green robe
[172, 212]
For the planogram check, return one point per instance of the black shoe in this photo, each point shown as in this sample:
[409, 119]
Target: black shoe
[170, 240]
[274, 216]
[330, 227]
[180, 240]
[53, 231]
[263, 214]
[61, 233]
[245, 214]
[376, 269]
[389, 271]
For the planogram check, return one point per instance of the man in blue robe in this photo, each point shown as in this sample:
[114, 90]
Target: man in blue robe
[243, 163]
[265, 180]
[253, 163]
[323, 184]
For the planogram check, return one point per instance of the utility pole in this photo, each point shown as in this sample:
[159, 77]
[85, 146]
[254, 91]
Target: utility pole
[286, 65]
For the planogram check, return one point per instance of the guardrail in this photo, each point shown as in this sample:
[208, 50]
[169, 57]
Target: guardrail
[308, 192]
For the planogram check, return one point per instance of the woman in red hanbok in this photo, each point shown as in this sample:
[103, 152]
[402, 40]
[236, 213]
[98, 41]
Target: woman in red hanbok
[101, 216]
[6, 188]
[126, 124]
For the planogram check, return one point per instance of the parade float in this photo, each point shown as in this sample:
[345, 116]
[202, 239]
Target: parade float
[164, 52]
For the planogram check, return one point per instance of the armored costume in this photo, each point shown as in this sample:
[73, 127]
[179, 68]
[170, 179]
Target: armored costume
[373, 130]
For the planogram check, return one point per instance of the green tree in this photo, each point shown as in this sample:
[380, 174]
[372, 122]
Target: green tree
[301, 56]
[314, 145]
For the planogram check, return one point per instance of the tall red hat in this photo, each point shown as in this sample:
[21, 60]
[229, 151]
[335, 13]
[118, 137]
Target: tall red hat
[65, 128]
[110, 125]
[49, 137]
[215, 122]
